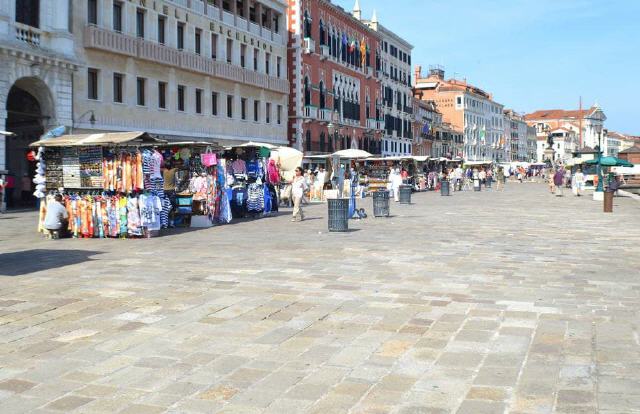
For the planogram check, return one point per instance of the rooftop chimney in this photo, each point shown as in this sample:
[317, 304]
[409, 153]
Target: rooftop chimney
[418, 72]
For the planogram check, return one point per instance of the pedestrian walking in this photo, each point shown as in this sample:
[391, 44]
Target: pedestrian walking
[395, 181]
[482, 175]
[476, 180]
[500, 179]
[558, 181]
[552, 185]
[298, 187]
[578, 180]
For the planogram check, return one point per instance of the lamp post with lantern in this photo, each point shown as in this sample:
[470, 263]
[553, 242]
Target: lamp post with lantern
[598, 194]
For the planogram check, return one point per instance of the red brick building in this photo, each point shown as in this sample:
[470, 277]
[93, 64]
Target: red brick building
[332, 61]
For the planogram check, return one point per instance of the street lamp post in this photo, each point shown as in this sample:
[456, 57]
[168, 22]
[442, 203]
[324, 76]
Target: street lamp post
[600, 188]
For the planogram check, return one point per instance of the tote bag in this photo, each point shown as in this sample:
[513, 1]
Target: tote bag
[209, 158]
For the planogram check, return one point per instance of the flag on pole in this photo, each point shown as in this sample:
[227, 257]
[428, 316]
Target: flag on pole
[426, 128]
[363, 52]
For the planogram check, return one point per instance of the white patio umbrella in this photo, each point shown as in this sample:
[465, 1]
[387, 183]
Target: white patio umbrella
[288, 158]
[352, 154]
[7, 133]
[257, 144]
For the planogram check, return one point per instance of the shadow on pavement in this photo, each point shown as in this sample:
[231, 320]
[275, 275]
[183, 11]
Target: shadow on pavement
[30, 261]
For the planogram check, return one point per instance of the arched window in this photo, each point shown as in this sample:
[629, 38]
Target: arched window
[322, 142]
[308, 141]
[322, 95]
[307, 24]
[322, 33]
[307, 92]
[367, 107]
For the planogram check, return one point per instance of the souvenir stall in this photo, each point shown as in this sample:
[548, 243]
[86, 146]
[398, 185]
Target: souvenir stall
[194, 182]
[252, 178]
[111, 183]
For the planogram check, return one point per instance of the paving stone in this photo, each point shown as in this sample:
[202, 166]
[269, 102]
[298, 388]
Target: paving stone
[510, 310]
[480, 407]
[68, 403]
[16, 385]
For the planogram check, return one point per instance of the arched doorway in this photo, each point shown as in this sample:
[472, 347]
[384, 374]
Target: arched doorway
[29, 112]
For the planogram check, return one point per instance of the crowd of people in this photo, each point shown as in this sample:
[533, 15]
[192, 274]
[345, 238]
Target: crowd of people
[560, 178]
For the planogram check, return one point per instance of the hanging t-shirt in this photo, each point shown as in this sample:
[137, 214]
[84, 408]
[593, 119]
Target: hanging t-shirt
[239, 166]
[156, 165]
[253, 168]
[150, 209]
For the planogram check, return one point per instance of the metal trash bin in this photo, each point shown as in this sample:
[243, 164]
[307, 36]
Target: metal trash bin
[608, 201]
[477, 185]
[444, 188]
[338, 209]
[381, 203]
[405, 194]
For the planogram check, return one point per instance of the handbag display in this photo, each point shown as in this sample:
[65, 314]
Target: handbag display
[209, 158]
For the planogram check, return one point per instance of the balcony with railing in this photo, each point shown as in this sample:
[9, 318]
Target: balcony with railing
[324, 52]
[310, 113]
[230, 72]
[228, 18]
[380, 124]
[256, 79]
[242, 23]
[324, 115]
[213, 11]
[198, 6]
[109, 40]
[114, 42]
[309, 45]
[28, 34]
[372, 123]
[254, 28]
[156, 52]
[278, 84]
[197, 63]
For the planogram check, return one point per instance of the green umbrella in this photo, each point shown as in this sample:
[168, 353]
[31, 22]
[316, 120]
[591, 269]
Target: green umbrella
[611, 162]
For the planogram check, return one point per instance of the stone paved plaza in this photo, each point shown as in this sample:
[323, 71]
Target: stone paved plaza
[480, 303]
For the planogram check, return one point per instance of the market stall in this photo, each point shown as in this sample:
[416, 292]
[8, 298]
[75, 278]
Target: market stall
[111, 183]
[132, 184]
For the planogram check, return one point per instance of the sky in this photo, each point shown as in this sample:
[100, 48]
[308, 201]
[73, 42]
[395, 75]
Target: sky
[530, 54]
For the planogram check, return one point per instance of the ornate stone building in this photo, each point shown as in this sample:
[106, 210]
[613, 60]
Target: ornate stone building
[183, 69]
[37, 63]
[332, 56]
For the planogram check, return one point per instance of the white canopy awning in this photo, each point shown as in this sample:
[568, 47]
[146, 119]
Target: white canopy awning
[100, 139]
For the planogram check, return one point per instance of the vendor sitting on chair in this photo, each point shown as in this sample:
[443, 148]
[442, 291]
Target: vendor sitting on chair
[57, 219]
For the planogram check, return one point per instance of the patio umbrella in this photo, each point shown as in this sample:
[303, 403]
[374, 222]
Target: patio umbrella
[352, 154]
[611, 162]
[7, 133]
[289, 158]
[257, 144]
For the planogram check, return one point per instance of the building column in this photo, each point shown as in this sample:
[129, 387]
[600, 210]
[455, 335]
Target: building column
[246, 5]
[259, 16]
